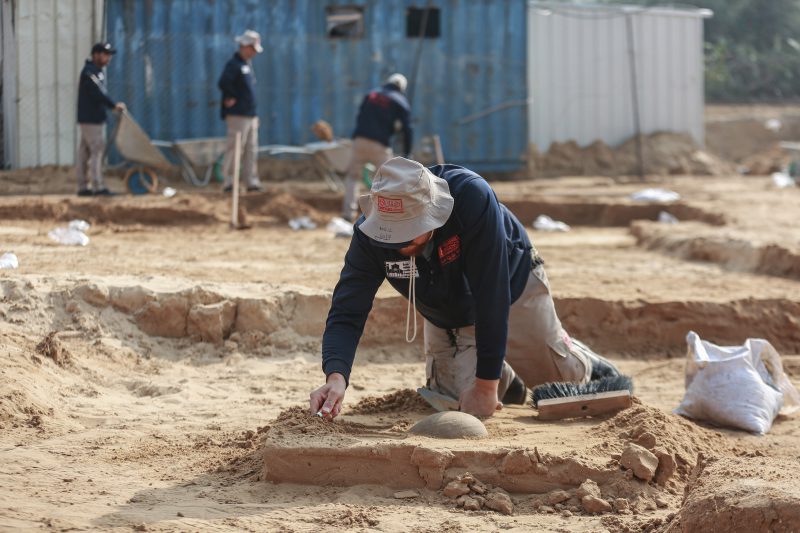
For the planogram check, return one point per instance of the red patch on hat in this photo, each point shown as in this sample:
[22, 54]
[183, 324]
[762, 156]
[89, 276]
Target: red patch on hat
[390, 205]
[450, 250]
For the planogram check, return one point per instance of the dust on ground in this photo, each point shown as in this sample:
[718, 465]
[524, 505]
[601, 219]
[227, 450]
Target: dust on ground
[182, 343]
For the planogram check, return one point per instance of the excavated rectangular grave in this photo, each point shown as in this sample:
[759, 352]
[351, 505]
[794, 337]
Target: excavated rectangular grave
[521, 454]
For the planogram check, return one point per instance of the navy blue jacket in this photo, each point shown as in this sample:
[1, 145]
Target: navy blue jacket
[475, 268]
[379, 111]
[238, 81]
[92, 98]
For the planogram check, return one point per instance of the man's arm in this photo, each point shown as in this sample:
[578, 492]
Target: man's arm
[91, 86]
[227, 81]
[359, 280]
[486, 270]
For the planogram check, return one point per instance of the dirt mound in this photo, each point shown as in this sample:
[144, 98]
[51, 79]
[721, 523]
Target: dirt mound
[284, 207]
[663, 154]
[664, 433]
[297, 419]
[773, 159]
[741, 496]
[405, 400]
[121, 210]
[730, 251]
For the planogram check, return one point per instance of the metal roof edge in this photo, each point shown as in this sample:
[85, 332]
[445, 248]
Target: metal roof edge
[576, 9]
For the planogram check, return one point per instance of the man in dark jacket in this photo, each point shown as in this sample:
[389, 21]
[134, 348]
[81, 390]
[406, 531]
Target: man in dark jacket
[237, 84]
[441, 238]
[93, 101]
[383, 111]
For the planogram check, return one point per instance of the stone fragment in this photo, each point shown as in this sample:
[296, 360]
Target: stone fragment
[588, 488]
[516, 462]
[646, 440]
[500, 502]
[461, 499]
[643, 463]
[165, 317]
[405, 494]
[566, 514]
[667, 465]
[478, 488]
[661, 502]
[595, 505]
[558, 496]
[546, 509]
[574, 509]
[256, 315]
[454, 489]
[621, 505]
[212, 322]
[471, 504]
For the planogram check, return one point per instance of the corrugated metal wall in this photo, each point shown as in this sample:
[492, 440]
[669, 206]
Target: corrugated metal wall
[471, 88]
[51, 40]
[579, 74]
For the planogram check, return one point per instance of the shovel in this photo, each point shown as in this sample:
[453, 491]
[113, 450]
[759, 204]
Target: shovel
[437, 400]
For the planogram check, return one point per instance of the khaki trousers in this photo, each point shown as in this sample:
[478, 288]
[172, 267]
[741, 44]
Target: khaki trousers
[248, 128]
[538, 349]
[89, 165]
[364, 151]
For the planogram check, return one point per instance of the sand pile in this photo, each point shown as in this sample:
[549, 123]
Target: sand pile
[738, 495]
[675, 441]
[402, 401]
[471, 494]
[297, 419]
[663, 154]
[284, 207]
[765, 162]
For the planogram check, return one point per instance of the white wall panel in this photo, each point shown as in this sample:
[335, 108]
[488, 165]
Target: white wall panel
[53, 37]
[579, 73]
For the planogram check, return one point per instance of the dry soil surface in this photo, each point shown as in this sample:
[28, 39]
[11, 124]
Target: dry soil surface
[151, 380]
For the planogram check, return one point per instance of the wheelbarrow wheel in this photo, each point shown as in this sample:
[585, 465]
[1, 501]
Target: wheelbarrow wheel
[141, 180]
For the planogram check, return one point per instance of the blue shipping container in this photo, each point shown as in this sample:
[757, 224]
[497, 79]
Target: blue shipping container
[470, 85]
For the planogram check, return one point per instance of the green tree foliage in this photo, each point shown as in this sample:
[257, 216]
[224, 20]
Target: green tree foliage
[752, 48]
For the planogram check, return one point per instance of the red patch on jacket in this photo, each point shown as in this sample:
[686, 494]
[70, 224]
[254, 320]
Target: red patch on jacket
[450, 250]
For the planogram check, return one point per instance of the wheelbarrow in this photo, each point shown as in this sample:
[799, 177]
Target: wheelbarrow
[197, 159]
[331, 159]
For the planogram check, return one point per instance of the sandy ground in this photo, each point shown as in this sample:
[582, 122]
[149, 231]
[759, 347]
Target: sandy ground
[180, 341]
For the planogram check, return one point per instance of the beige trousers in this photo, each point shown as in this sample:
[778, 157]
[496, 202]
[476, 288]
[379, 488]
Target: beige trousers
[248, 128]
[538, 349]
[90, 156]
[364, 151]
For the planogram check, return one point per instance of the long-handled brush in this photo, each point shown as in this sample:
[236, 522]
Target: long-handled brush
[559, 400]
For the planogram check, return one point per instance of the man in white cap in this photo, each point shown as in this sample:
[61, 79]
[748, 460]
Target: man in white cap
[383, 112]
[442, 239]
[237, 84]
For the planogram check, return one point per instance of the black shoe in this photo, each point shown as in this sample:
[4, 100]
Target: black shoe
[255, 188]
[227, 188]
[104, 192]
[601, 367]
[85, 192]
[516, 393]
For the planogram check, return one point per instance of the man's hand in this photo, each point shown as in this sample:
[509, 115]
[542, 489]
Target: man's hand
[120, 107]
[229, 102]
[481, 398]
[328, 398]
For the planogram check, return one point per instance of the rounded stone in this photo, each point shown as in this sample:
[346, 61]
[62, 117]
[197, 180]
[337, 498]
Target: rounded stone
[450, 425]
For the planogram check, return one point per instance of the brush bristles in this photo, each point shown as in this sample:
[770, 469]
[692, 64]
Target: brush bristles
[565, 389]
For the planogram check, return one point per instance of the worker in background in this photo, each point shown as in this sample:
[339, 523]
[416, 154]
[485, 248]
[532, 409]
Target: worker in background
[442, 239]
[237, 84]
[383, 112]
[93, 102]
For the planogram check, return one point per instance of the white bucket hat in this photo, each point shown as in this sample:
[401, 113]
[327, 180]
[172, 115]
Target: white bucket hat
[399, 80]
[407, 200]
[250, 38]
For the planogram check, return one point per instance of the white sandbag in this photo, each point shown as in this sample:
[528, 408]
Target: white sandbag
[737, 386]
